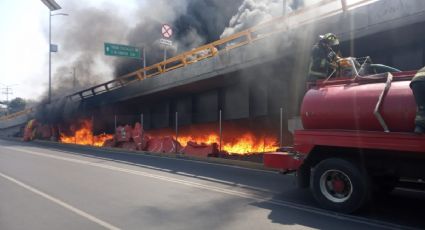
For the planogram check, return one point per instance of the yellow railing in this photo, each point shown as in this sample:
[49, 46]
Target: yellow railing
[245, 37]
[17, 114]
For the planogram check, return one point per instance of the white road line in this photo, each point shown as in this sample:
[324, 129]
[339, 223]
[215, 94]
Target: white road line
[55, 148]
[258, 198]
[167, 170]
[411, 190]
[61, 203]
[170, 158]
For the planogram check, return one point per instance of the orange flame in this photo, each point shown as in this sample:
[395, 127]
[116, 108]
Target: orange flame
[236, 138]
[84, 136]
[246, 143]
[234, 141]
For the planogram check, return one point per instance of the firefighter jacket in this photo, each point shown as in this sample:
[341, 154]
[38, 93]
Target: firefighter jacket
[320, 63]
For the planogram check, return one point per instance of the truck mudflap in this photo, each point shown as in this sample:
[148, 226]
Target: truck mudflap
[283, 161]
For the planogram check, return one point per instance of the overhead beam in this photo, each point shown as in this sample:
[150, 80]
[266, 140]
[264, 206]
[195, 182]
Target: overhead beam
[51, 4]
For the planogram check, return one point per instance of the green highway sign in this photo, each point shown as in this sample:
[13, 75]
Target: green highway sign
[122, 50]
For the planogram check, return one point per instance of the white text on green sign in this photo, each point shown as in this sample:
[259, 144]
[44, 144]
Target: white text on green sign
[121, 50]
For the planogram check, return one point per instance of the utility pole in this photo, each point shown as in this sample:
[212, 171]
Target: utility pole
[7, 91]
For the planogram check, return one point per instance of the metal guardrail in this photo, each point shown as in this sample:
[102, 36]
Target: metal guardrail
[245, 37]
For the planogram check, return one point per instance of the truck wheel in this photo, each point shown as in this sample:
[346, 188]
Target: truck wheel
[339, 185]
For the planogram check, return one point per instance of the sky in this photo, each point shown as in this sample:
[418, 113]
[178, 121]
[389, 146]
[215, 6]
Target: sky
[23, 57]
[24, 41]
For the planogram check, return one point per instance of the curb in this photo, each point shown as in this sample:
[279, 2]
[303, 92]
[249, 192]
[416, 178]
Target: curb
[222, 161]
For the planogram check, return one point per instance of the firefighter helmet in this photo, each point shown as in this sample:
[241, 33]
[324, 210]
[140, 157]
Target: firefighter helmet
[329, 39]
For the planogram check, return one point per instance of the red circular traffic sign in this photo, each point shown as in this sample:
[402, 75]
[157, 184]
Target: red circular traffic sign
[166, 31]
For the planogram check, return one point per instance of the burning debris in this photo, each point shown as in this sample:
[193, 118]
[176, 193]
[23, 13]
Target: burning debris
[199, 143]
[246, 143]
[195, 23]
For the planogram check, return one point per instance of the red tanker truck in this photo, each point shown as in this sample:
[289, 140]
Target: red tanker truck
[357, 140]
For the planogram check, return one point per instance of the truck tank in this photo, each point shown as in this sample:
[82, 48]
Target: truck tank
[348, 105]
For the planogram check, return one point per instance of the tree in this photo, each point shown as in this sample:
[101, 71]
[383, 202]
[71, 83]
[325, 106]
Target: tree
[16, 105]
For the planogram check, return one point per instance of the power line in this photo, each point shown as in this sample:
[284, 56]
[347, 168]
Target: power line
[7, 91]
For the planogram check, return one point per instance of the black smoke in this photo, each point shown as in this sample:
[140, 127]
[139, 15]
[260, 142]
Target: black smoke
[81, 36]
[198, 23]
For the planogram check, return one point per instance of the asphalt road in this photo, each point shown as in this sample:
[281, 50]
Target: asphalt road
[45, 187]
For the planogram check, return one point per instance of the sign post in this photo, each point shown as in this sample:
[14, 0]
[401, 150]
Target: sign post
[165, 54]
[144, 61]
[167, 32]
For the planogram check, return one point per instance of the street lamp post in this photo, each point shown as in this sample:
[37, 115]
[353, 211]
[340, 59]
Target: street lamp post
[52, 5]
[50, 56]
[74, 79]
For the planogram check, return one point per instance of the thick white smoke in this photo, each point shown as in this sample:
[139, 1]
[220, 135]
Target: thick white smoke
[253, 12]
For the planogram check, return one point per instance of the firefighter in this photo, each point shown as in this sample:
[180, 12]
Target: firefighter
[323, 57]
[418, 87]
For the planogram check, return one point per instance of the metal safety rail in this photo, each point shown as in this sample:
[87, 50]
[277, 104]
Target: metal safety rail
[281, 24]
